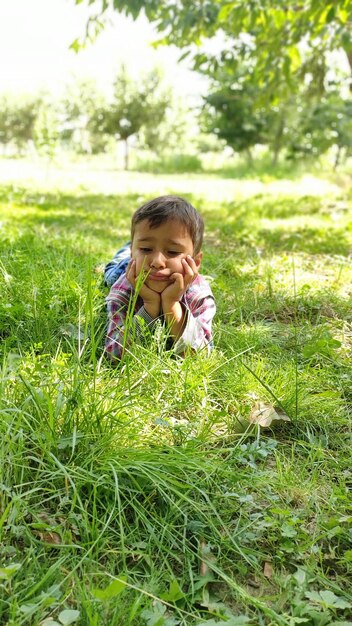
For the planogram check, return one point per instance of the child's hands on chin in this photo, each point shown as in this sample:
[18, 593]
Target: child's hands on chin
[151, 299]
[181, 282]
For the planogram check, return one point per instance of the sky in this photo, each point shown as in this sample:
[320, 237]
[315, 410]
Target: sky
[35, 36]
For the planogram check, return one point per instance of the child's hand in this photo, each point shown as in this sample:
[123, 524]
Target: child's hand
[151, 299]
[180, 283]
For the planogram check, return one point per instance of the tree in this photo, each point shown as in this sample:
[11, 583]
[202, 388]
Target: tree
[17, 120]
[230, 114]
[326, 124]
[170, 133]
[236, 111]
[276, 32]
[79, 106]
[5, 120]
[136, 105]
[46, 133]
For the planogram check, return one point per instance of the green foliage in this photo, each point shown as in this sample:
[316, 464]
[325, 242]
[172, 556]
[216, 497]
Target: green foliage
[272, 32]
[176, 163]
[6, 116]
[231, 115]
[171, 132]
[79, 105]
[326, 124]
[136, 105]
[17, 119]
[46, 132]
[115, 588]
[271, 68]
[82, 118]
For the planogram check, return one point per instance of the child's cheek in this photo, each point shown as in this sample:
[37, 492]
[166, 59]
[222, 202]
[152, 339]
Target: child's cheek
[141, 263]
[182, 267]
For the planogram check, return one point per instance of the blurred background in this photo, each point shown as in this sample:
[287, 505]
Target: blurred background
[82, 83]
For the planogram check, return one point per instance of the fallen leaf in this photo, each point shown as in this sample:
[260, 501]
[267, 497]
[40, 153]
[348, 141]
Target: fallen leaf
[48, 537]
[268, 570]
[265, 414]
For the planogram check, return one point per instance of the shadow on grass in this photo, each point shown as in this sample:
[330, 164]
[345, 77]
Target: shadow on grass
[240, 225]
[335, 241]
[100, 219]
[96, 222]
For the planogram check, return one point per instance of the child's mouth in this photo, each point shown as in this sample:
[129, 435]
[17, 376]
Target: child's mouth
[160, 277]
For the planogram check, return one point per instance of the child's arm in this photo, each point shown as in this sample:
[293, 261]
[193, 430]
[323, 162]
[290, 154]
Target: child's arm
[174, 312]
[190, 319]
[117, 306]
[117, 266]
[151, 299]
[199, 312]
[121, 331]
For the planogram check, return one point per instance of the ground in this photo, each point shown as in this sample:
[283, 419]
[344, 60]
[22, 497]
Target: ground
[142, 494]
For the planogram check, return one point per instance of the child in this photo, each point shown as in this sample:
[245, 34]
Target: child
[167, 235]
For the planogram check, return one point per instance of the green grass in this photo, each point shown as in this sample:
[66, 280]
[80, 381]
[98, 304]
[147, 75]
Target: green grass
[140, 495]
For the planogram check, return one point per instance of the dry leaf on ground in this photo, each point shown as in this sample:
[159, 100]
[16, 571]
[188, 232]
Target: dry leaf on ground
[48, 537]
[265, 414]
[268, 569]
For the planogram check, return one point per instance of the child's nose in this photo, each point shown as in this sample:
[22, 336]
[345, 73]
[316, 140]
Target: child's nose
[158, 260]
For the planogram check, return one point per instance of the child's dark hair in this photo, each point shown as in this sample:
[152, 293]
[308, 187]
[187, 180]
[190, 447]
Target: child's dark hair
[164, 208]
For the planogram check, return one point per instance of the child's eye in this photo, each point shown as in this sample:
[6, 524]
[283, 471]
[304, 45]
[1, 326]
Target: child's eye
[145, 250]
[173, 252]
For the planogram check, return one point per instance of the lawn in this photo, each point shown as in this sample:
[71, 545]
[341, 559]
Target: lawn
[144, 495]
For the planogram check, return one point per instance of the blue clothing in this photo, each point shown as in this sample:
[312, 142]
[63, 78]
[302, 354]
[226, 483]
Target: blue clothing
[115, 268]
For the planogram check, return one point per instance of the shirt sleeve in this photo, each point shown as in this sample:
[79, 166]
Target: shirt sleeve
[120, 332]
[197, 333]
[118, 265]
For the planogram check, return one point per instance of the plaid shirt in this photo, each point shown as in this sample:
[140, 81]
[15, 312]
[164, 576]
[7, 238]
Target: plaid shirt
[198, 303]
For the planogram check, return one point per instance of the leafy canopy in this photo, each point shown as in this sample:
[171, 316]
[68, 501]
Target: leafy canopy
[276, 31]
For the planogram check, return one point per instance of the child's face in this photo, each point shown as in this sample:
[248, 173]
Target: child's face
[160, 251]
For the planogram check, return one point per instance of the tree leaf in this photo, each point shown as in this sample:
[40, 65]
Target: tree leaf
[330, 15]
[76, 46]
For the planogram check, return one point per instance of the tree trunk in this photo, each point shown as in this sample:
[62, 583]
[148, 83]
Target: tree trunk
[337, 157]
[275, 158]
[126, 154]
[249, 157]
[277, 143]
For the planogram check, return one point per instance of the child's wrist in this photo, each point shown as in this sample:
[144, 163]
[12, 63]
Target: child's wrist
[152, 309]
[172, 310]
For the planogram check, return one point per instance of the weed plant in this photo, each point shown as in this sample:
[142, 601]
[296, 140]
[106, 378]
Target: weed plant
[140, 494]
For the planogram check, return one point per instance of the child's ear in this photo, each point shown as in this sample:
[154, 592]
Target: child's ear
[198, 259]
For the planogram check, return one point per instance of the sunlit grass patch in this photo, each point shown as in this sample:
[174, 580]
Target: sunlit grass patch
[139, 494]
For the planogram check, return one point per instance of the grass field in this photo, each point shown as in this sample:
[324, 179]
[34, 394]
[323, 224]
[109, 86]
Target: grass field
[141, 495]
